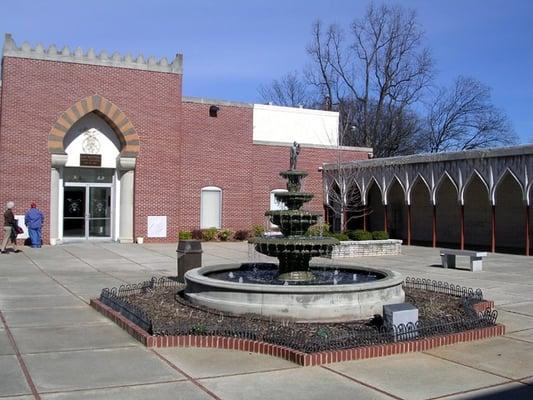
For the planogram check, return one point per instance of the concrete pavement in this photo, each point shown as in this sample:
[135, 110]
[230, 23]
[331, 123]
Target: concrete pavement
[54, 346]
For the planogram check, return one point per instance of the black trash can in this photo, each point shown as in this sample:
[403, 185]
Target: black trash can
[189, 257]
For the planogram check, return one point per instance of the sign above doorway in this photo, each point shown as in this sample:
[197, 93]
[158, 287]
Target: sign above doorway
[90, 160]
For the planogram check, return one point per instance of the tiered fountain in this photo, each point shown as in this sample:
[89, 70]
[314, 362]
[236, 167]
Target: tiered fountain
[294, 250]
[292, 289]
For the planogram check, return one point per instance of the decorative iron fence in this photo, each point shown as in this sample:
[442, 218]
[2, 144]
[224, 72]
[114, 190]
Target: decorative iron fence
[443, 287]
[283, 333]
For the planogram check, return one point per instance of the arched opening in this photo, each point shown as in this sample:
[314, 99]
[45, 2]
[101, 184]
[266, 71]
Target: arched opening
[477, 214]
[376, 210]
[448, 212]
[397, 212]
[421, 213]
[211, 207]
[510, 215]
[356, 209]
[345, 208]
[92, 134]
[333, 216]
[89, 201]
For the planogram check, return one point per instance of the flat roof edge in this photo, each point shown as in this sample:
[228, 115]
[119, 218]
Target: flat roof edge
[204, 100]
[314, 145]
[443, 157]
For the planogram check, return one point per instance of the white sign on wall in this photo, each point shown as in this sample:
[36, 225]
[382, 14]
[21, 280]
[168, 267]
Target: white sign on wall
[20, 220]
[157, 226]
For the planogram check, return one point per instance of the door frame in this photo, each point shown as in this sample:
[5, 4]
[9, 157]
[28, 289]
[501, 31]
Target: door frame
[87, 186]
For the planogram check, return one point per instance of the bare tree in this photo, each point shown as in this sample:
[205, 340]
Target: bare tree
[377, 75]
[380, 67]
[289, 90]
[342, 195]
[464, 118]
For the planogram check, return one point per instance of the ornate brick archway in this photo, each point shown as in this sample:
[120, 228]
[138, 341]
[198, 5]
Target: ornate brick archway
[125, 163]
[107, 110]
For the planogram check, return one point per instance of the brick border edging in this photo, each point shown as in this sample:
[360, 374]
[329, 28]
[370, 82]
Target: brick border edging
[295, 356]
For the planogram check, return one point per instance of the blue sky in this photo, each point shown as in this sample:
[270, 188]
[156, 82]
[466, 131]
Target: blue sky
[232, 47]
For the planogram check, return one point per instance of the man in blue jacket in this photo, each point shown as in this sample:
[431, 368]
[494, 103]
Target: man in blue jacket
[34, 221]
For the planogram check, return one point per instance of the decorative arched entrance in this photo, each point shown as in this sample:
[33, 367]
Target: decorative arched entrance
[94, 148]
[510, 214]
[376, 216]
[421, 212]
[397, 215]
[448, 214]
[477, 214]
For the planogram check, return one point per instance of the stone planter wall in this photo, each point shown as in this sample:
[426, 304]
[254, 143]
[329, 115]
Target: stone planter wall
[363, 248]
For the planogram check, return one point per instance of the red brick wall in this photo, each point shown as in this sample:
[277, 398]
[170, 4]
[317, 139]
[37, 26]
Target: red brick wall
[220, 152]
[216, 152]
[36, 92]
[270, 160]
[182, 149]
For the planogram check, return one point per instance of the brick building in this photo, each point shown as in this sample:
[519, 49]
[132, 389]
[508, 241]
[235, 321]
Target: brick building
[110, 149]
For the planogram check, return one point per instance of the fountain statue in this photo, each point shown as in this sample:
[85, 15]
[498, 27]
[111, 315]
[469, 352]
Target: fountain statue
[293, 289]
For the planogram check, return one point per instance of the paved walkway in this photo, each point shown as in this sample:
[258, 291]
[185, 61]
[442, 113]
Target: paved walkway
[54, 346]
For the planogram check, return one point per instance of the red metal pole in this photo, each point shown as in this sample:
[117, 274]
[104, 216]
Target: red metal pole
[385, 218]
[493, 230]
[462, 227]
[409, 224]
[527, 230]
[434, 227]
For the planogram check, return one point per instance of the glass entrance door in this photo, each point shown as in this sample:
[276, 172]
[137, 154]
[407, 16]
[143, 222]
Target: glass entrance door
[74, 211]
[99, 216]
[87, 211]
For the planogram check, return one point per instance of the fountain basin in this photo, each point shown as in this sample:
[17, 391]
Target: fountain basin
[304, 303]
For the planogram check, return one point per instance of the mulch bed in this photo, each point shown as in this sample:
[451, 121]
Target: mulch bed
[171, 314]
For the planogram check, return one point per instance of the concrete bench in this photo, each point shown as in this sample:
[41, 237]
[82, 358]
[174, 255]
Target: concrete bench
[476, 258]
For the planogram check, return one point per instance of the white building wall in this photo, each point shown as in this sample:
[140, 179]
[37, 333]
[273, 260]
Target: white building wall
[289, 124]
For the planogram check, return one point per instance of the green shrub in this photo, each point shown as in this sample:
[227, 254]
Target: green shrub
[198, 329]
[318, 229]
[185, 235]
[197, 234]
[224, 234]
[242, 234]
[360, 234]
[209, 234]
[380, 235]
[341, 236]
[258, 230]
[323, 332]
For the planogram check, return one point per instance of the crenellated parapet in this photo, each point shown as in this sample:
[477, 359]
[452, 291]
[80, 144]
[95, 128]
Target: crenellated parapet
[78, 56]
